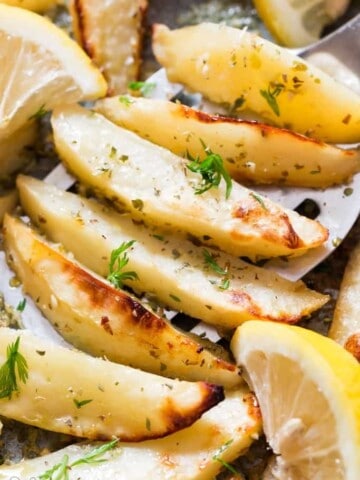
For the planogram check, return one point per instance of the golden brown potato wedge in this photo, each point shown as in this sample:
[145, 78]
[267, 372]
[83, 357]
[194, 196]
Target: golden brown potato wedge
[111, 34]
[8, 201]
[170, 268]
[13, 149]
[345, 326]
[196, 453]
[70, 392]
[252, 152]
[156, 186]
[34, 5]
[233, 66]
[104, 321]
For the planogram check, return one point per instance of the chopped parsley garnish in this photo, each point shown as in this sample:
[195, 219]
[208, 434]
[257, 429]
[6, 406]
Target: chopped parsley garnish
[239, 102]
[40, 113]
[211, 170]
[138, 204]
[118, 260]
[211, 262]
[60, 471]
[148, 424]
[126, 100]
[21, 305]
[225, 464]
[259, 200]
[145, 88]
[174, 297]
[271, 95]
[81, 403]
[15, 366]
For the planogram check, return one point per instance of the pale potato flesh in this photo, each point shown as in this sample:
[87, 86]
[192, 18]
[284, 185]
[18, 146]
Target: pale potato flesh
[170, 268]
[195, 453]
[229, 65]
[125, 402]
[8, 201]
[111, 34]
[152, 183]
[345, 325]
[13, 149]
[252, 152]
[105, 321]
[34, 5]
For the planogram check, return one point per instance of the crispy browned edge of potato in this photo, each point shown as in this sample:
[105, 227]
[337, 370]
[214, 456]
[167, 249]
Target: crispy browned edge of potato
[79, 22]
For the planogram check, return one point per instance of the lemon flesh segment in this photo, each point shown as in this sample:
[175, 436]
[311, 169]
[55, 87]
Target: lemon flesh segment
[41, 68]
[308, 388]
[295, 23]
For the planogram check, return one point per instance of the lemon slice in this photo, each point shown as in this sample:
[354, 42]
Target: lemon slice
[41, 67]
[296, 23]
[34, 5]
[308, 388]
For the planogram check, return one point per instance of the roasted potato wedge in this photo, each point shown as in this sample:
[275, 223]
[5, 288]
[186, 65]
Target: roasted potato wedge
[184, 280]
[253, 152]
[156, 186]
[8, 201]
[34, 5]
[111, 34]
[345, 326]
[196, 453]
[105, 321]
[70, 392]
[236, 67]
[13, 154]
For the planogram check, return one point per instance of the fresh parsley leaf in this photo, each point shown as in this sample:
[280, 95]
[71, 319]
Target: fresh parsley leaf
[125, 100]
[40, 113]
[60, 471]
[15, 366]
[225, 284]
[259, 200]
[225, 464]
[81, 403]
[211, 170]
[145, 88]
[211, 262]
[21, 305]
[118, 260]
[239, 102]
[174, 297]
[271, 95]
[94, 456]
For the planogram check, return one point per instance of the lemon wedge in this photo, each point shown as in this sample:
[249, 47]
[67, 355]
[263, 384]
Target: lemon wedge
[308, 388]
[34, 5]
[296, 23]
[41, 67]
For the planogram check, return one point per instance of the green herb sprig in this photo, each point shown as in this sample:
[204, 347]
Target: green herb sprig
[118, 260]
[225, 464]
[211, 170]
[13, 370]
[60, 471]
[211, 262]
[271, 94]
[145, 88]
[39, 114]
